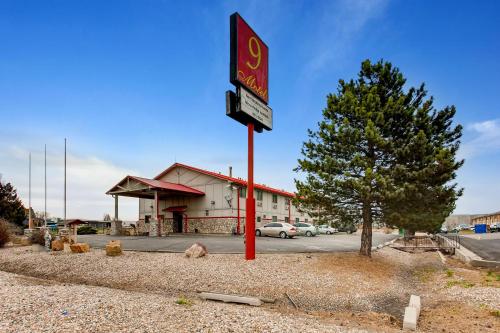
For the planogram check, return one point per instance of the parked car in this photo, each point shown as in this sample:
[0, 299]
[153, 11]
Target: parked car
[495, 227]
[306, 229]
[277, 229]
[348, 228]
[443, 230]
[326, 229]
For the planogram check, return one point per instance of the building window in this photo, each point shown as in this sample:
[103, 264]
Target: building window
[258, 218]
[259, 195]
[306, 220]
[286, 219]
[275, 219]
[206, 212]
[275, 198]
[287, 202]
[243, 192]
[296, 220]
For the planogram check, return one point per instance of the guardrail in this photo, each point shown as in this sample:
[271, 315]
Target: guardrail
[448, 240]
[446, 243]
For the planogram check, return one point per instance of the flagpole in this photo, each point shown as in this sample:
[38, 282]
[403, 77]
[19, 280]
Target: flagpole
[45, 211]
[30, 218]
[64, 181]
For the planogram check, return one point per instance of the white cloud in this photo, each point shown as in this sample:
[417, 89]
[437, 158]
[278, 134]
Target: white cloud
[478, 176]
[485, 139]
[338, 28]
[88, 178]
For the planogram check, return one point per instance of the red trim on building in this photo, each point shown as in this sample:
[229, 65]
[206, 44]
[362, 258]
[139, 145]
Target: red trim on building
[175, 209]
[162, 185]
[239, 181]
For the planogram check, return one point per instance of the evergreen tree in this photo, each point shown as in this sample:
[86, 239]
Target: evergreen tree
[11, 207]
[373, 154]
[425, 166]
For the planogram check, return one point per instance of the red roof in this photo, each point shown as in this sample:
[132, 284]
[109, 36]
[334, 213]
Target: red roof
[160, 184]
[239, 181]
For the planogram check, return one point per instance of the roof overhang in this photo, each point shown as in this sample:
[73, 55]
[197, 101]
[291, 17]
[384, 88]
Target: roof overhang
[138, 187]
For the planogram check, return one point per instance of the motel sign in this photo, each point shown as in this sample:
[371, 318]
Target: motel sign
[249, 72]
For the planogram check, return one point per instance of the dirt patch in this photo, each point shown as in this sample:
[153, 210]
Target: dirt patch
[377, 268]
[457, 317]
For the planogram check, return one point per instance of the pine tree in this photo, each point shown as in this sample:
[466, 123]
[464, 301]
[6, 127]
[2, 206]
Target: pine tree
[373, 153]
[426, 165]
[11, 207]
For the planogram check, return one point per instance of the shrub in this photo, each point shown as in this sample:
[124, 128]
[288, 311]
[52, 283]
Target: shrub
[4, 233]
[449, 273]
[184, 301]
[37, 237]
[86, 230]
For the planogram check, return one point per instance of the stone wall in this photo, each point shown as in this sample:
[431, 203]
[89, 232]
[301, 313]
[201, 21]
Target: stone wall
[142, 227]
[214, 226]
[167, 226]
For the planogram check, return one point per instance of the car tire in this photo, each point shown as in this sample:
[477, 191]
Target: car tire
[309, 234]
[283, 235]
[328, 233]
[257, 233]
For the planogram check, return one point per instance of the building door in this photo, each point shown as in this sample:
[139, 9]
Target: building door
[177, 222]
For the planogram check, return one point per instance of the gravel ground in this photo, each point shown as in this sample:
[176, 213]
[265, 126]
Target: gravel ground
[320, 282]
[33, 305]
[137, 292]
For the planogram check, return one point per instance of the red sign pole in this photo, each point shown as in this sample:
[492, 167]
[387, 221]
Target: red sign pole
[250, 218]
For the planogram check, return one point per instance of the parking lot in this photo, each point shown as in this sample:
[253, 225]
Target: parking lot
[340, 242]
[487, 246]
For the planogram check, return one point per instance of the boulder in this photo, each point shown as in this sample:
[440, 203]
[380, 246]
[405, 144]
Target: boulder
[80, 247]
[196, 250]
[114, 248]
[57, 245]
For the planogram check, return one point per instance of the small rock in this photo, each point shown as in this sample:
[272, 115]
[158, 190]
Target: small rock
[57, 245]
[197, 250]
[80, 247]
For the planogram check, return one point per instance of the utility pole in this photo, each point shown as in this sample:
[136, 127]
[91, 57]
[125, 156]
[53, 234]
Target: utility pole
[64, 181]
[30, 218]
[45, 206]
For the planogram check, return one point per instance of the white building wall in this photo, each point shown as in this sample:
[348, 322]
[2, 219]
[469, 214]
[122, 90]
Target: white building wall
[215, 201]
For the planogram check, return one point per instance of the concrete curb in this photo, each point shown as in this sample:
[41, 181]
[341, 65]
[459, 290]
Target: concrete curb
[442, 257]
[375, 248]
[473, 259]
[485, 263]
[412, 312]
[466, 255]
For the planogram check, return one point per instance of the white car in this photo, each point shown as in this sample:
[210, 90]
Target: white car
[306, 229]
[325, 229]
[275, 229]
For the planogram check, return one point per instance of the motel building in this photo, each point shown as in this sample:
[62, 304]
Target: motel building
[487, 219]
[185, 199]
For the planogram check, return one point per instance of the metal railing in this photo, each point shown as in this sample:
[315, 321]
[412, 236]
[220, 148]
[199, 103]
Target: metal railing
[418, 242]
[447, 241]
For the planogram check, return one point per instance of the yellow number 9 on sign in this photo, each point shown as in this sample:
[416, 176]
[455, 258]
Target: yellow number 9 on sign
[254, 49]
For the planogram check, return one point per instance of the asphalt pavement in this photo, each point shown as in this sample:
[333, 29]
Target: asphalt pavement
[486, 246]
[235, 244]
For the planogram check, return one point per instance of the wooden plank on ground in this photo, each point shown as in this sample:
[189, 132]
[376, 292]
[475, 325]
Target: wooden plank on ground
[231, 298]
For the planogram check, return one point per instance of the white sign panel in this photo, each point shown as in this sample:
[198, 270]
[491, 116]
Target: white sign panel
[253, 107]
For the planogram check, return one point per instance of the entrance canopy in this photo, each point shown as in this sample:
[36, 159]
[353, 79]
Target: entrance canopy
[138, 187]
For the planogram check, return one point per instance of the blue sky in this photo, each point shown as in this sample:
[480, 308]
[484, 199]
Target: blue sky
[138, 85]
